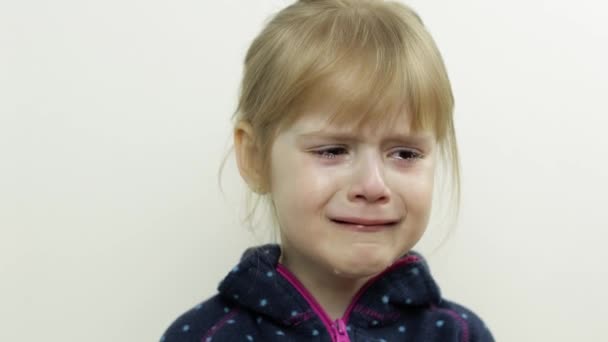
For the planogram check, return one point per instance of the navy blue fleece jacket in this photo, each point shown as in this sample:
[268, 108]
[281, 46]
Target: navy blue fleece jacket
[260, 300]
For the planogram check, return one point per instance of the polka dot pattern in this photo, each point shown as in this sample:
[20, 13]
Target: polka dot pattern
[259, 303]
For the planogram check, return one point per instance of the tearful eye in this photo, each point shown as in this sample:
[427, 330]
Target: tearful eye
[330, 153]
[408, 154]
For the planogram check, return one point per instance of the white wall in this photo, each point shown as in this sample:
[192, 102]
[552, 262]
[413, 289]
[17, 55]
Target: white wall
[114, 116]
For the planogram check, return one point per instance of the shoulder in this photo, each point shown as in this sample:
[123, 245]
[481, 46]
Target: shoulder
[199, 321]
[473, 327]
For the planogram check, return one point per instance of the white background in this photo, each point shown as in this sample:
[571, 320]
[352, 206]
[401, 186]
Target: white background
[114, 117]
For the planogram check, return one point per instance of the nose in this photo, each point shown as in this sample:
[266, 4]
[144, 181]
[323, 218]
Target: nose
[368, 181]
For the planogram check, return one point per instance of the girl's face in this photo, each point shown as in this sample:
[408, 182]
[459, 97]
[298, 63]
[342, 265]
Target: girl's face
[380, 181]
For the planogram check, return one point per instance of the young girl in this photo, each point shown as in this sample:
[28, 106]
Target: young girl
[344, 111]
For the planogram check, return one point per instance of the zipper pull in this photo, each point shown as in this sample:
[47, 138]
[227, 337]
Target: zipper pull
[342, 334]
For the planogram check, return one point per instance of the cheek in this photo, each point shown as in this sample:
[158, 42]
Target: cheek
[416, 191]
[300, 175]
[298, 188]
[425, 200]
[425, 190]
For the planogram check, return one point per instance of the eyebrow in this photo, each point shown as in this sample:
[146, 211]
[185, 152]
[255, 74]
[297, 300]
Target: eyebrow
[350, 137]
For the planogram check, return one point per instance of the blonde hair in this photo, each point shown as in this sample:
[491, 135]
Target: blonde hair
[367, 57]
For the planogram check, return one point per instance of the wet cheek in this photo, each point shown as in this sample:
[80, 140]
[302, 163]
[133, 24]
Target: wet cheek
[304, 190]
[311, 173]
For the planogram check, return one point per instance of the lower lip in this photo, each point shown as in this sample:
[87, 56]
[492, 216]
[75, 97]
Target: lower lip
[362, 228]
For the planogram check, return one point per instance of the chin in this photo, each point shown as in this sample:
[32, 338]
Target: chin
[362, 261]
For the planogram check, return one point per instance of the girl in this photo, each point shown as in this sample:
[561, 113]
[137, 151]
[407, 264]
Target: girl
[344, 111]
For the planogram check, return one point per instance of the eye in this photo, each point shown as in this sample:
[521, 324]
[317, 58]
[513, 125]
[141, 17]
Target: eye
[408, 154]
[331, 152]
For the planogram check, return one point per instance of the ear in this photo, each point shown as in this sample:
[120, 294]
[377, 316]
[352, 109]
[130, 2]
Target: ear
[248, 155]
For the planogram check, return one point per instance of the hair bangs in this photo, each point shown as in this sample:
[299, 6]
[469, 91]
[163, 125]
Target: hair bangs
[371, 68]
[366, 92]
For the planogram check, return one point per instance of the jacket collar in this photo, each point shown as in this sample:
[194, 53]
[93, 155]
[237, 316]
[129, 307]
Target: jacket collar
[255, 284]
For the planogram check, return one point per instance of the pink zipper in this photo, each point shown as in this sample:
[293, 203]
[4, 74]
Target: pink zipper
[341, 333]
[337, 329]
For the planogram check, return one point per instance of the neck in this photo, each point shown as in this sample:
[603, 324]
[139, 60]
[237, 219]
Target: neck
[333, 292]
